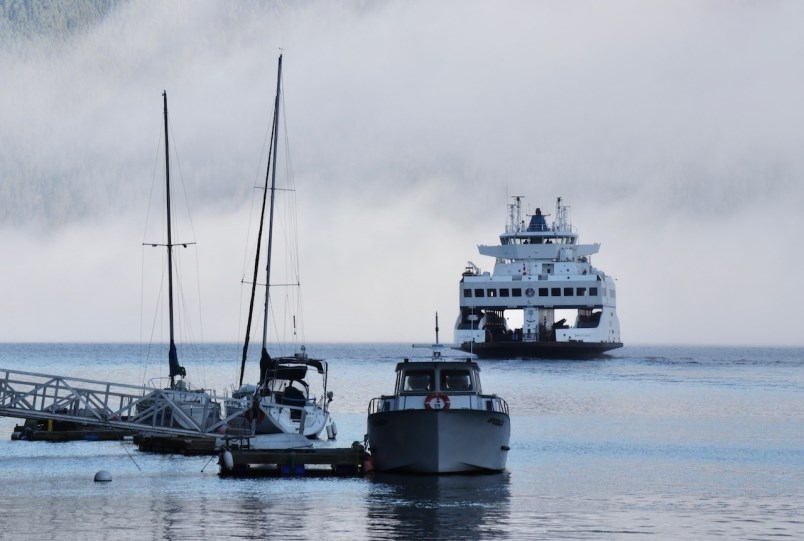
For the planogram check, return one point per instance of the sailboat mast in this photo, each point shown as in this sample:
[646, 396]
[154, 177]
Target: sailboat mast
[256, 260]
[173, 360]
[271, 214]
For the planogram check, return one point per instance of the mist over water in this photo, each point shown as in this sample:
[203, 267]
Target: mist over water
[672, 131]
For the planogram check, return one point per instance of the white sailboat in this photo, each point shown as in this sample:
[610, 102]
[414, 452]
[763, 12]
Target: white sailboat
[178, 405]
[282, 401]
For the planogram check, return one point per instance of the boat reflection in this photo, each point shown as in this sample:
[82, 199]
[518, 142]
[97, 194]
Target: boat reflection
[445, 506]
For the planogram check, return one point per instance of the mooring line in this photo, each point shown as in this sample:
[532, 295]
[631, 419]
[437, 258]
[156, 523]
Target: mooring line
[122, 442]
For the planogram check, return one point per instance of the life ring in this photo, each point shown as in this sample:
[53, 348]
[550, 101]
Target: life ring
[436, 402]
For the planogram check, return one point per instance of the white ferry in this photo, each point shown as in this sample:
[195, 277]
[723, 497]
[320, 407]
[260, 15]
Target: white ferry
[542, 279]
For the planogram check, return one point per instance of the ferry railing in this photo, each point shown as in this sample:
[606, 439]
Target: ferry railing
[29, 395]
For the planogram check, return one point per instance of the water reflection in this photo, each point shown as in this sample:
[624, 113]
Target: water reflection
[441, 507]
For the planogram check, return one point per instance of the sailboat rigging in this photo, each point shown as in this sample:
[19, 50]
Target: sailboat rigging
[259, 242]
[196, 404]
[281, 401]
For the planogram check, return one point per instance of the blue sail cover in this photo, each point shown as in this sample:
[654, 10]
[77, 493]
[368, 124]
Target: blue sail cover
[173, 362]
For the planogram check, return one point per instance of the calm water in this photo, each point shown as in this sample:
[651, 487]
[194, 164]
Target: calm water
[653, 442]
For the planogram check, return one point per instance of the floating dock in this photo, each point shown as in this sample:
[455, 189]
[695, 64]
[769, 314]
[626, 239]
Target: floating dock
[57, 431]
[181, 445]
[301, 461]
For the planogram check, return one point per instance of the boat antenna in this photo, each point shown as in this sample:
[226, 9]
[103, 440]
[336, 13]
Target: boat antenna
[265, 359]
[257, 258]
[173, 358]
[436, 327]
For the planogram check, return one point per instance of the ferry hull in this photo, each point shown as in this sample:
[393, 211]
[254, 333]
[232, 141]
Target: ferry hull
[540, 350]
[439, 441]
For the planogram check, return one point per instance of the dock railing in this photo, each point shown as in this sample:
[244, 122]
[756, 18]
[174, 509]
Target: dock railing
[28, 395]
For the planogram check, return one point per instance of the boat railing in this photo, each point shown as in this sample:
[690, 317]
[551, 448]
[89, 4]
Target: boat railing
[486, 402]
[495, 403]
[375, 405]
[181, 385]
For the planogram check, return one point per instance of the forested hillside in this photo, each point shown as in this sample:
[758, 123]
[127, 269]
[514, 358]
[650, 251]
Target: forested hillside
[57, 18]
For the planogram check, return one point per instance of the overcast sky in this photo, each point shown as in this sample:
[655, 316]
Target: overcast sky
[675, 130]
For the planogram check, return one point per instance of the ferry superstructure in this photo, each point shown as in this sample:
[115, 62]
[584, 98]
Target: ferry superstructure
[541, 273]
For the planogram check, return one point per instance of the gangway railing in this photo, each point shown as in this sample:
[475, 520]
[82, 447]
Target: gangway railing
[181, 412]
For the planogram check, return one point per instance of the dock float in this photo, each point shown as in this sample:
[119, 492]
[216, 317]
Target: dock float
[180, 445]
[302, 461]
[33, 430]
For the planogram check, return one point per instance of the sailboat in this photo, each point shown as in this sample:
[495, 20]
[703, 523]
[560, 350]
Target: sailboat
[282, 401]
[178, 405]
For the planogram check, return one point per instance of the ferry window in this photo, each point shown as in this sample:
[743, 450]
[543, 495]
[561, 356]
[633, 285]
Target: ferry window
[581, 291]
[467, 292]
[418, 381]
[504, 292]
[555, 292]
[455, 380]
[593, 291]
[516, 292]
[480, 293]
[568, 291]
[491, 292]
[543, 292]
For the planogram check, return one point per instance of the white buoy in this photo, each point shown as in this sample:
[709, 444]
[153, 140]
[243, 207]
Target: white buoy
[103, 476]
[228, 460]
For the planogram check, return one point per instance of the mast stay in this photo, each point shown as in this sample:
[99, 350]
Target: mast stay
[259, 242]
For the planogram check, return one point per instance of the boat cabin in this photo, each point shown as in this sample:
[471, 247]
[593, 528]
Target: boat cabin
[439, 377]
[437, 385]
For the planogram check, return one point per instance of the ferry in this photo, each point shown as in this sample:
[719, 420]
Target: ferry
[543, 280]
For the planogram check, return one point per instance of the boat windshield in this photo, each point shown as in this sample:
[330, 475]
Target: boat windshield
[418, 381]
[456, 380]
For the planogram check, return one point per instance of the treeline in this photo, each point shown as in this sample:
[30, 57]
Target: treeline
[55, 18]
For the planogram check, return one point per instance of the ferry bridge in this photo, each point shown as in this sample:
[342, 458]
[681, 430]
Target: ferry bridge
[28, 395]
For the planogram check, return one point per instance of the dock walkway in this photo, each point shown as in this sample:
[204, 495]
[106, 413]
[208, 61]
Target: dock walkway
[45, 397]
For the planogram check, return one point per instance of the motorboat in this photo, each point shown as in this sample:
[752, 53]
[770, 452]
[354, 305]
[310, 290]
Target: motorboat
[438, 420]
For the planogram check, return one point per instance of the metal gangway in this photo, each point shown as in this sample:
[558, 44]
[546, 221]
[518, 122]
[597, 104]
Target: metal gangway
[179, 411]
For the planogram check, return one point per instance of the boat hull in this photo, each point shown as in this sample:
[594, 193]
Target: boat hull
[439, 441]
[280, 419]
[540, 350]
